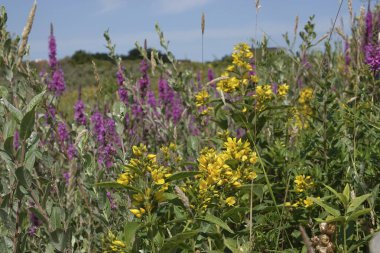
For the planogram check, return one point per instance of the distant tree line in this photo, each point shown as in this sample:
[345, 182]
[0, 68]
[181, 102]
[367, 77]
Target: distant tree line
[81, 56]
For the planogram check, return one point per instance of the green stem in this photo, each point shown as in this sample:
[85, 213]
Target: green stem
[344, 238]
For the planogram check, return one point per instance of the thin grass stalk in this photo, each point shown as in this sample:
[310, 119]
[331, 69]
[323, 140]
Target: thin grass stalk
[203, 23]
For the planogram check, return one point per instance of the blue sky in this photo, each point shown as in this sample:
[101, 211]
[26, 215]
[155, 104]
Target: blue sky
[79, 24]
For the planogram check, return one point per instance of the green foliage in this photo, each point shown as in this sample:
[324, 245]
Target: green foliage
[294, 143]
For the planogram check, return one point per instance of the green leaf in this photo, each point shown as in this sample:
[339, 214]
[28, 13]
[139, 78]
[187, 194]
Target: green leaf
[175, 241]
[327, 208]
[3, 92]
[24, 177]
[56, 217]
[16, 113]
[60, 239]
[217, 221]
[117, 185]
[358, 213]
[35, 101]
[356, 202]
[182, 175]
[342, 198]
[6, 219]
[130, 229]
[346, 191]
[231, 245]
[27, 124]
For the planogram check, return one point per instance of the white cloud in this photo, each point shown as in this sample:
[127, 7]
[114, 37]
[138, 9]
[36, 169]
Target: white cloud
[179, 6]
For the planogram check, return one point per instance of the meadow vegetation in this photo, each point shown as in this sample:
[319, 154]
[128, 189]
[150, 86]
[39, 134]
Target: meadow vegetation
[276, 153]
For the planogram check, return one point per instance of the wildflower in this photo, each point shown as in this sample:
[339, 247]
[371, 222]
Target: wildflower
[303, 182]
[124, 179]
[283, 90]
[79, 114]
[144, 80]
[151, 99]
[308, 202]
[71, 151]
[123, 95]
[139, 150]
[104, 130]
[57, 83]
[305, 95]
[372, 56]
[230, 201]
[201, 98]
[62, 132]
[52, 50]
[120, 76]
[137, 212]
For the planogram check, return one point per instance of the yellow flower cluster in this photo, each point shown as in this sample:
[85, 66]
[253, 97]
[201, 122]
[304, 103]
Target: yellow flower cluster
[238, 73]
[303, 186]
[201, 98]
[303, 183]
[283, 90]
[143, 169]
[303, 112]
[226, 170]
[305, 95]
[264, 92]
[112, 245]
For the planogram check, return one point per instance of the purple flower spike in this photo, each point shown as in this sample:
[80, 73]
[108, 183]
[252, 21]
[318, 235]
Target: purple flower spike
[120, 76]
[71, 151]
[151, 99]
[52, 50]
[62, 132]
[79, 114]
[144, 80]
[123, 95]
[57, 83]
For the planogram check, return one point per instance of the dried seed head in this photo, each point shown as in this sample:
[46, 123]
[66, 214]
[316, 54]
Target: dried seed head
[26, 32]
[324, 240]
[323, 227]
[182, 197]
[296, 25]
[331, 228]
[350, 10]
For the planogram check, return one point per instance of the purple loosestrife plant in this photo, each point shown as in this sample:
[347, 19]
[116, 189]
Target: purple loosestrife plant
[123, 95]
[57, 83]
[71, 151]
[372, 56]
[144, 80]
[151, 99]
[53, 63]
[104, 130]
[62, 132]
[79, 115]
